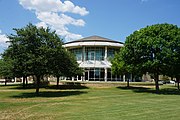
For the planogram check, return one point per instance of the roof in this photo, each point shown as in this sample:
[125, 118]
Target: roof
[94, 38]
[93, 41]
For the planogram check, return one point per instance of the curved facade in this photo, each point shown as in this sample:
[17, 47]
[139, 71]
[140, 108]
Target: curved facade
[93, 55]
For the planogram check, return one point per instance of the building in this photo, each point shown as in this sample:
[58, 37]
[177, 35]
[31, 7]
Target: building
[93, 55]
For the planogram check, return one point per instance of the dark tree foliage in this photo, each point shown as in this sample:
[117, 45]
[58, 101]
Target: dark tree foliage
[119, 66]
[6, 68]
[64, 65]
[150, 49]
[173, 56]
[38, 52]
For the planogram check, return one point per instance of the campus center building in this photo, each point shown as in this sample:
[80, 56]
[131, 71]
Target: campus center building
[93, 55]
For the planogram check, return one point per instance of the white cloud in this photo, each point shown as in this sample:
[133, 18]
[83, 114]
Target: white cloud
[52, 13]
[68, 6]
[53, 6]
[54, 19]
[3, 40]
[41, 24]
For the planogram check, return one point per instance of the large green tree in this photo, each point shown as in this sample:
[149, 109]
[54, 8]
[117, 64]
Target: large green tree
[28, 49]
[173, 56]
[37, 51]
[148, 48]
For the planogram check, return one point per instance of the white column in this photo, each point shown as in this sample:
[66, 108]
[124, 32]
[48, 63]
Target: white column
[88, 75]
[105, 57]
[124, 78]
[82, 78]
[105, 75]
[21, 79]
[72, 78]
[83, 54]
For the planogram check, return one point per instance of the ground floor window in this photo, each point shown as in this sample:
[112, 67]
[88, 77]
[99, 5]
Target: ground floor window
[112, 77]
[97, 74]
[94, 74]
[102, 74]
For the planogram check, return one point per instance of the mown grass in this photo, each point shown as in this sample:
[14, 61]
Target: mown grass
[93, 103]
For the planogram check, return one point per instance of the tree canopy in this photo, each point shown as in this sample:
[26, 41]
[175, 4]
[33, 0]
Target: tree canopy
[152, 49]
[38, 51]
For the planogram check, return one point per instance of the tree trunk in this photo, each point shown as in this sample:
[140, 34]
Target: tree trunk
[177, 79]
[178, 84]
[57, 81]
[127, 83]
[132, 76]
[157, 82]
[24, 81]
[37, 84]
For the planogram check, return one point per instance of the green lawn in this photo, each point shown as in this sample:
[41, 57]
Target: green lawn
[94, 103]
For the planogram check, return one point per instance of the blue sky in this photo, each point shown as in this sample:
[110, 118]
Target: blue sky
[74, 19]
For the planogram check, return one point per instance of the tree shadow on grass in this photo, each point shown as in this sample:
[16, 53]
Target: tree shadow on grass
[163, 91]
[8, 85]
[60, 87]
[48, 94]
[64, 87]
[28, 86]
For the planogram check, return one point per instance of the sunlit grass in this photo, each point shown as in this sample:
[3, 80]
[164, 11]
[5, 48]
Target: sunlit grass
[93, 103]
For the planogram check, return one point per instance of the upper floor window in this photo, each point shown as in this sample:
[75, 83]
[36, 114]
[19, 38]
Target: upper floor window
[94, 53]
[111, 52]
[78, 53]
